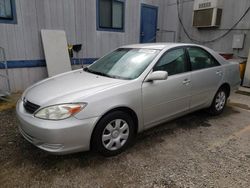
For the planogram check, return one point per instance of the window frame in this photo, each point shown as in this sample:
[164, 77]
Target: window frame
[187, 62]
[204, 50]
[112, 29]
[13, 19]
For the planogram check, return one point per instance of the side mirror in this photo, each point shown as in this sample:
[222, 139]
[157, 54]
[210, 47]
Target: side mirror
[157, 75]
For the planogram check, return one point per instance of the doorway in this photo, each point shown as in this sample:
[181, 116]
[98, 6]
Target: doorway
[149, 15]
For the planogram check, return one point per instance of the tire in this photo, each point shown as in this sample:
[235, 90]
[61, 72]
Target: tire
[113, 134]
[219, 102]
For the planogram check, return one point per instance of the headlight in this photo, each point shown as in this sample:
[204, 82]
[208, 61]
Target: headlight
[59, 112]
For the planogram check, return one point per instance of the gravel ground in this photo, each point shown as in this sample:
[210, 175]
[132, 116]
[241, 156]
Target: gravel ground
[193, 151]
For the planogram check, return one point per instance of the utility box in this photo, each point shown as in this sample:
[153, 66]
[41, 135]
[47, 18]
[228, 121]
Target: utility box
[207, 13]
[238, 41]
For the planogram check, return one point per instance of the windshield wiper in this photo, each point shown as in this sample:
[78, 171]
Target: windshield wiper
[96, 72]
[103, 74]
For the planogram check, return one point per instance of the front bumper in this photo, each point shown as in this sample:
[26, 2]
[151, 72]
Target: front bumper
[59, 137]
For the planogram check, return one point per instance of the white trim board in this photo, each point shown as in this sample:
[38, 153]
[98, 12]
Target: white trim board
[56, 51]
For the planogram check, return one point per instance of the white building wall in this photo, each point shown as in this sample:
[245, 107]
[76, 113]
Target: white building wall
[232, 11]
[22, 41]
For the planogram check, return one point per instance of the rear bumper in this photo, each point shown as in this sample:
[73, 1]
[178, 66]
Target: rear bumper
[58, 137]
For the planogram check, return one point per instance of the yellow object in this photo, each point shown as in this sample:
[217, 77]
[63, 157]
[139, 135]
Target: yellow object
[242, 69]
[70, 47]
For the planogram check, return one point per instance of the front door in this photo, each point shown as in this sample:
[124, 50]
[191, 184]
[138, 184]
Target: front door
[148, 23]
[163, 99]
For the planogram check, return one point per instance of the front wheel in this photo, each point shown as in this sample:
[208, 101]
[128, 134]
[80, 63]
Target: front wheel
[219, 102]
[113, 133]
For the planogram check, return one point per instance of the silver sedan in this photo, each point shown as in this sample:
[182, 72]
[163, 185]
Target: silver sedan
[105, 105]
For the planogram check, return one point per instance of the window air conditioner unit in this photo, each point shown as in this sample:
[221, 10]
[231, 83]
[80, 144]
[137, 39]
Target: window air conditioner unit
[207, 13]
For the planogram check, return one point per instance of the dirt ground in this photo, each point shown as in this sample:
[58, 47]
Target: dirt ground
[193, 151]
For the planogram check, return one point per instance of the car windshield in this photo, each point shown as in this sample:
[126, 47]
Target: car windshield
[123, 63]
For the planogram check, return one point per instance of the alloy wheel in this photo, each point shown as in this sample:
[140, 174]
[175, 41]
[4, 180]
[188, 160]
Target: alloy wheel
[220, 100]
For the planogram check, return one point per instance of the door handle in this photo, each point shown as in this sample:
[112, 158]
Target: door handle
[186, 82]
[219, 73]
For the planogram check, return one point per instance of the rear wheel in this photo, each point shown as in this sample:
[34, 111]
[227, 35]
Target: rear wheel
[219, 102]
[113, 133]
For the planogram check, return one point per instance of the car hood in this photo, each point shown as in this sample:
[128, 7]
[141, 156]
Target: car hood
[69, 87]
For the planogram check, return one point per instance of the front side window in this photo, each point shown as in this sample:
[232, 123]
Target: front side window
[174, 62]
[7, 12]
[111, 15]
[200, 59]
[123, 63]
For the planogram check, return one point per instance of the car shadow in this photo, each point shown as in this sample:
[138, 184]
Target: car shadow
[190, 121]
[26, 154]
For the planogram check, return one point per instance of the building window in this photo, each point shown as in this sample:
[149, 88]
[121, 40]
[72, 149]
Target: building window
[7, 11]
[110, 15]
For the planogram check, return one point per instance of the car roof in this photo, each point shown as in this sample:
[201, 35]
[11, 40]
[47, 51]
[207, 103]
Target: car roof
[166, 46]
[157, 46]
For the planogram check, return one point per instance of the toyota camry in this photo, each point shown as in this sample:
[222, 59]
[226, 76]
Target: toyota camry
[105, 105]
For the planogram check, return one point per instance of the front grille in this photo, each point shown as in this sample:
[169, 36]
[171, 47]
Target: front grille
[30, 107]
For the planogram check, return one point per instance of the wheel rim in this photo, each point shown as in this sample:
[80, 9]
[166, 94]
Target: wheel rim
[115, 134]
[220, 100]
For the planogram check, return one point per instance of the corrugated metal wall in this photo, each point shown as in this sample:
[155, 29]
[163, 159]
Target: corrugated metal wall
[22, 41]
[232, 11]
[76, 17]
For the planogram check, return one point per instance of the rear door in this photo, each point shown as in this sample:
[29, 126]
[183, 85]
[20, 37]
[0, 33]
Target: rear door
[206, 76]
[163, 99]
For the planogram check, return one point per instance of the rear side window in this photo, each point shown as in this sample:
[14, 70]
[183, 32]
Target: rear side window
[200, 59]
[174, 62]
